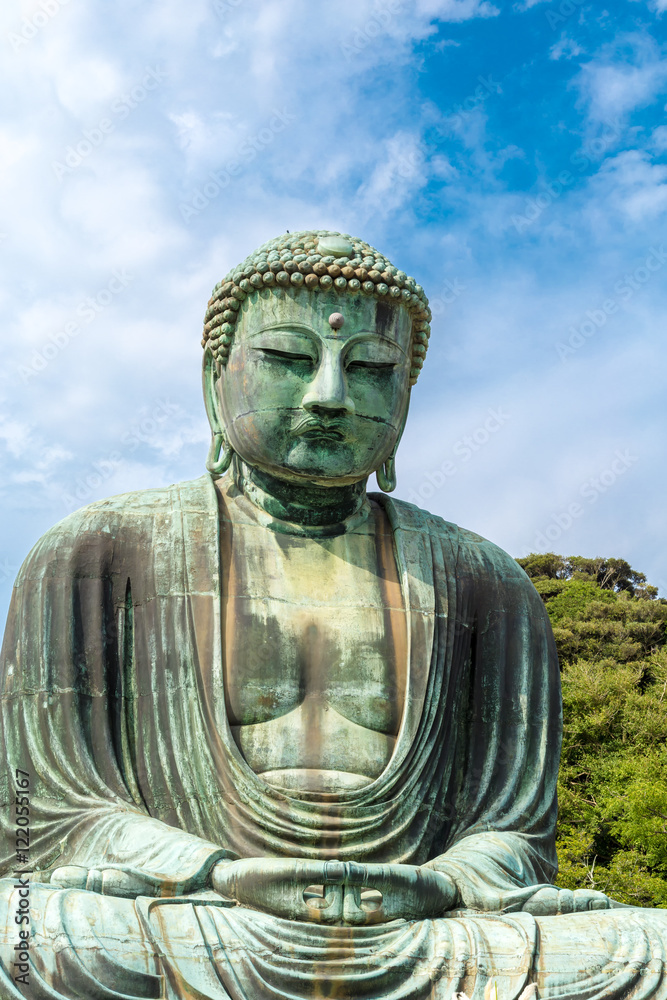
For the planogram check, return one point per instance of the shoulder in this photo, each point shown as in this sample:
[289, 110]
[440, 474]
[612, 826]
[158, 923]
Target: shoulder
[481, 562]
[101, 530]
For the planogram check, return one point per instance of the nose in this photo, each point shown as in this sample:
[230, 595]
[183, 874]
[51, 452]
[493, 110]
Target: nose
[327, 394]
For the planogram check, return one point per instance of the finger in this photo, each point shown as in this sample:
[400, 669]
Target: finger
[222, 880]
[543, 903]
[538, 909]
[69, 877]
[278, 869]
[566, 901]
[125, 884]
[590, 899]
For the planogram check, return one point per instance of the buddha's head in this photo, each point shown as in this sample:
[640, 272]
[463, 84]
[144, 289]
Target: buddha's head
[312, 346]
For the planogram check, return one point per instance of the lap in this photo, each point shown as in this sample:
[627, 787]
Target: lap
[84, 944]
[81, 944]
[625, 946]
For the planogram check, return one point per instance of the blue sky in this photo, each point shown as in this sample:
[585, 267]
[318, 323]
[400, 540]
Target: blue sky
[511, 156]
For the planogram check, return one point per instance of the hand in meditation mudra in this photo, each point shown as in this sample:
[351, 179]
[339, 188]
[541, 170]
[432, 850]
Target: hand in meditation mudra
[285, 738]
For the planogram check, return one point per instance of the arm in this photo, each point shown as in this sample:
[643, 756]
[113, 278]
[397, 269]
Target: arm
[499, 842]
[61, 722]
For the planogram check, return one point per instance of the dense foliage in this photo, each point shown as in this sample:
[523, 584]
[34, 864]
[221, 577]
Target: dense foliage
[611, 631]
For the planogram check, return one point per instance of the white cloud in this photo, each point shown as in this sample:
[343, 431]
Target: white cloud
[659, 6]
[456, 10]
[15, 434]
[354, 158]
[629, 184]
[510, 484]
[399, 171]
[14, 147]
[658, 140]
[565, 48]
[629, 74]
[84, 85]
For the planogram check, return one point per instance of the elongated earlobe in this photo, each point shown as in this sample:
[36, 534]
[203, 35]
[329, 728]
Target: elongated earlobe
[220, 452]
[386, 475]
[220, 455]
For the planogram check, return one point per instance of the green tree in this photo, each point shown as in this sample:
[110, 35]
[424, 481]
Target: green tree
[611, 632]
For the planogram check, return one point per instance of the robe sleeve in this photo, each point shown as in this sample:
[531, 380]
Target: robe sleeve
[62, 718]
[499, 844]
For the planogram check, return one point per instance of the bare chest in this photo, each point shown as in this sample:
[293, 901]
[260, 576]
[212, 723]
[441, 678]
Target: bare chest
[315, 656]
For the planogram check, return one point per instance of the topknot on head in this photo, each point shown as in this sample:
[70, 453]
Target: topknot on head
[315, 260]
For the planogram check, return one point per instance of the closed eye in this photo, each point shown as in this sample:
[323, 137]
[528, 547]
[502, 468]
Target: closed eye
[285, 355]
[377, 365]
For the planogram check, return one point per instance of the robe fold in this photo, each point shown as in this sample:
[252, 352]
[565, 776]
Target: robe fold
[113, 699]
[113, 702]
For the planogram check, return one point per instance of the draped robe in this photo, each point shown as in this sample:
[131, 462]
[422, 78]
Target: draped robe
[113, 701]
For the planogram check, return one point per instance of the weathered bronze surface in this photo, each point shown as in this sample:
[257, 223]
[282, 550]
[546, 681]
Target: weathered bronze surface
[285, 738]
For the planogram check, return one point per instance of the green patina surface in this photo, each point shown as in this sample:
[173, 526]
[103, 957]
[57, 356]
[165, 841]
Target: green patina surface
[285, 737]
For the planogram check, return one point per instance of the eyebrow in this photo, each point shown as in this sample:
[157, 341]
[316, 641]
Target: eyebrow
[378, 336]
[296, 327]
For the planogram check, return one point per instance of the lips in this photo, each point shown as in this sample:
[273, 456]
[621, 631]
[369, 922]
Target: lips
[315, 430]
[322, 433]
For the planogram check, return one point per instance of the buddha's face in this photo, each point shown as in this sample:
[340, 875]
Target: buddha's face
[303, 400]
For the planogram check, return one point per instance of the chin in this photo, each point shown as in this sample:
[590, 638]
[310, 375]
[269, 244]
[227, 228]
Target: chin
[321, 476]
[311, 473]
[334, 463]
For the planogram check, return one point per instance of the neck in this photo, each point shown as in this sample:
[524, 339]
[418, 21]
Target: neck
[309, 505]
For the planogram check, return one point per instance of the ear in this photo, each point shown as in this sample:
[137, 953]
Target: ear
[386, 474]
[220, 452]
[210, 380]
[404, 420]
